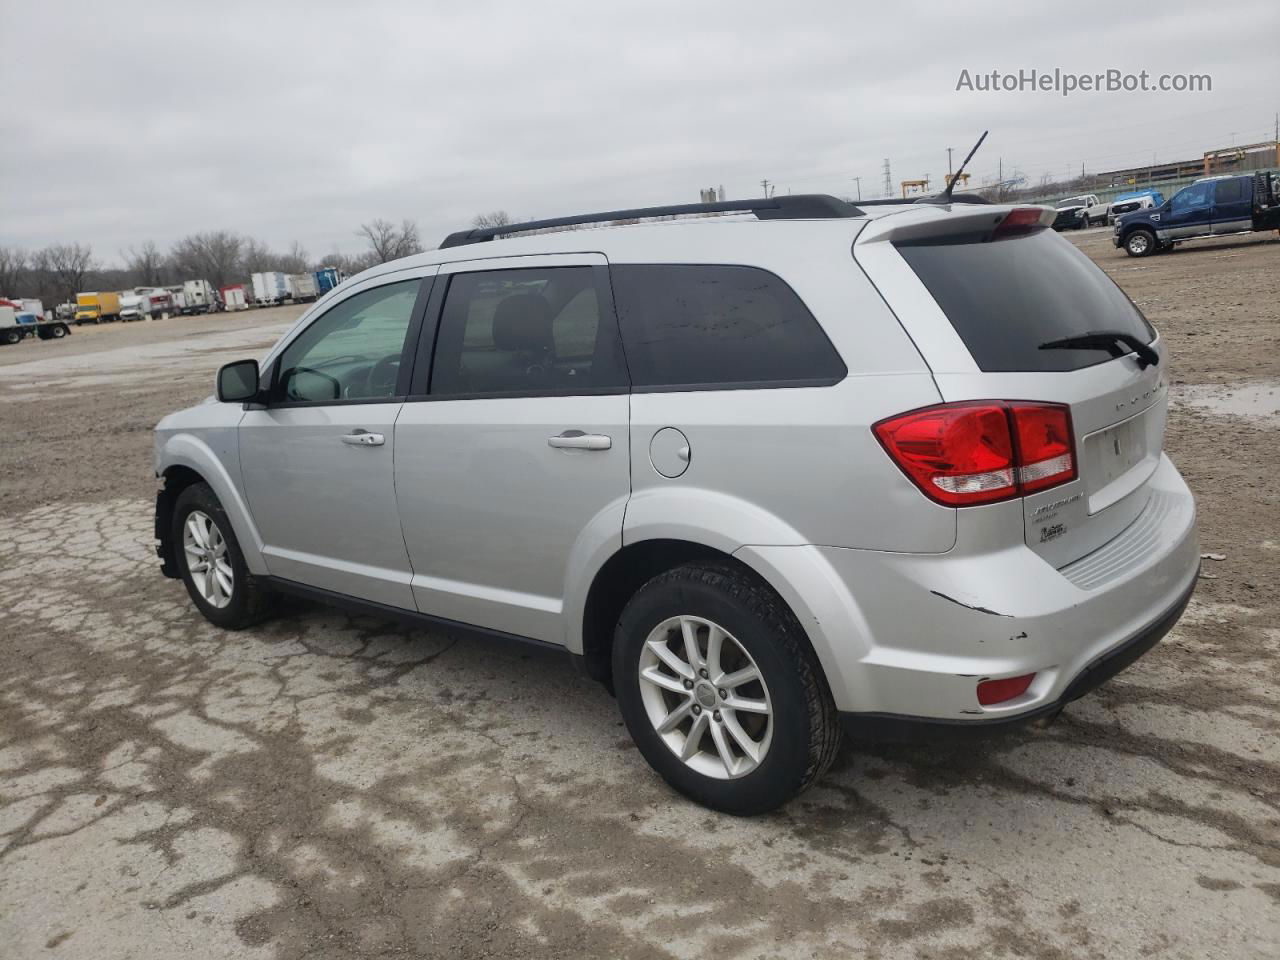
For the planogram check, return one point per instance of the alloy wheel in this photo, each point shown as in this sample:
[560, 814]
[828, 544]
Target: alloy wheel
[705, 696]
[206, 552]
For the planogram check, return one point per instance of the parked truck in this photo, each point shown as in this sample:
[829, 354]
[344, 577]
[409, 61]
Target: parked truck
[1123, 203]
[1079, 212]
[326, 279]
[1223, 206]
[302, 287]
[199, 296]
[18, 321]
[233, 297]
[270, 288]
[135, 306]
[102, 307]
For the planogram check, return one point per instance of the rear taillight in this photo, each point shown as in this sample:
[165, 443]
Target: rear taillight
[961, 454]
[1046, 451]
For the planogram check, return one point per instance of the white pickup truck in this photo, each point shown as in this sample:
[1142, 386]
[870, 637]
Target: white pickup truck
[1087, 210]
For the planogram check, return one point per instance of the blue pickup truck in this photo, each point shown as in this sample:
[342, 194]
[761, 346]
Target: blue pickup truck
[1212, 207]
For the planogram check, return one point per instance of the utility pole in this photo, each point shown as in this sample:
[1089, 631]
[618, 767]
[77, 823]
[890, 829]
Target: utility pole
[765, 186]
[888, 181]
[858, 181]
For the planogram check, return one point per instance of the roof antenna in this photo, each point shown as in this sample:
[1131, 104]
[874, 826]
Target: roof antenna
[945, 195]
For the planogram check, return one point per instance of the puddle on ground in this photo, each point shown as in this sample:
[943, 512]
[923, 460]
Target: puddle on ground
[1259, 400]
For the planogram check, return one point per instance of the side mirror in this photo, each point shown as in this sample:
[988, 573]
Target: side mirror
[238, 381]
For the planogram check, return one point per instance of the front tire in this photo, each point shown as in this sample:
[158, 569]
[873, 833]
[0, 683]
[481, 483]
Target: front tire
[1140, 243]
[212, 564]
[721, 691]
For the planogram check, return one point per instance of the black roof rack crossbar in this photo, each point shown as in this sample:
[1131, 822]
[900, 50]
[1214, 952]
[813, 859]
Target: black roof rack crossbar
[802, 206]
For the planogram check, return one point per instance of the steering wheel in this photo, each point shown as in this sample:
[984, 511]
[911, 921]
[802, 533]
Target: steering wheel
[383, 376]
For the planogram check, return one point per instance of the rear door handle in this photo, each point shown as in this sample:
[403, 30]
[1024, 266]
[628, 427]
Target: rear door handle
[577, 440]
[363, 438]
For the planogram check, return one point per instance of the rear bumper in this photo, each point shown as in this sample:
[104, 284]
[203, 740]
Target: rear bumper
[910, 636]
[907, 729]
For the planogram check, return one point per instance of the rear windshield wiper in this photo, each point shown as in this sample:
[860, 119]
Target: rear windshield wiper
[1113, 341]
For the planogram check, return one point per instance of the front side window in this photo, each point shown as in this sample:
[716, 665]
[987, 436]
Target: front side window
[353, 351]
[528, 331]
[1196, 195]
[708, 326]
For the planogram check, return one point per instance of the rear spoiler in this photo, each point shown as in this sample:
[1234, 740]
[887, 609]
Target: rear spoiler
[938, 222]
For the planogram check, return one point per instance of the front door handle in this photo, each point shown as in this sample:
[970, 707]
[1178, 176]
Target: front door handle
[577, 440]
[363, 438]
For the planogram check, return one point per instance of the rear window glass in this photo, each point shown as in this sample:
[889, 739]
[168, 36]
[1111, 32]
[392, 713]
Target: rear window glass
[1005, 297]
[695, 326]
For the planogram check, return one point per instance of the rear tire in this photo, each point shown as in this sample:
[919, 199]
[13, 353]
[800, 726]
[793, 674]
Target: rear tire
[10, 336]
[771, 733]
[228, 596]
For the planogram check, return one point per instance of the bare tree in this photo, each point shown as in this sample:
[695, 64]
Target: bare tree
[297, 260]
[256, 256]
[389, 242]
[212, 256]
[495, 218]
[14, 270]
[145, 265]
[65, 266]
[349, 264]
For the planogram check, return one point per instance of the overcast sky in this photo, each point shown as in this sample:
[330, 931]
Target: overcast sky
[127, 121]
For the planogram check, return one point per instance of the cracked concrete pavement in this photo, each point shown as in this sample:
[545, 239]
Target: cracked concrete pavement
[336, 786]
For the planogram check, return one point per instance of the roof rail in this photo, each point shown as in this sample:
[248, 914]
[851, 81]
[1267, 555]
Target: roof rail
[801, 206]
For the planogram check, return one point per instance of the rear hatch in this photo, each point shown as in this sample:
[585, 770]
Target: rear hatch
[979, 301]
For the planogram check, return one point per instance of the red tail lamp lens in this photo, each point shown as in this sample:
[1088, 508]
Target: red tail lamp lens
[961, 454]
[1045, 445]
[957, 454]
[999, 691]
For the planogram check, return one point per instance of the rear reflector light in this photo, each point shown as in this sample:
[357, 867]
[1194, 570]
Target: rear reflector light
[961, 454]
[998, 691]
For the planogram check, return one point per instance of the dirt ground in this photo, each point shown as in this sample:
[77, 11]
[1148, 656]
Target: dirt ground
[337, 787]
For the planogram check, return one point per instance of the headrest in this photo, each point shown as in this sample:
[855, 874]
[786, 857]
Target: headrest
[523, 323]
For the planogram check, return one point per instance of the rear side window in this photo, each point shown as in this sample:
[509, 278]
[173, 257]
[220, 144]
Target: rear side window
[527, 332]
[718, 327]
[1229, 191]
[1006, 297]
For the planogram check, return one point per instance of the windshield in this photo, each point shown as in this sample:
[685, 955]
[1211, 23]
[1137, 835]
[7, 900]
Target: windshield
[1005, 297]
[1071, 202]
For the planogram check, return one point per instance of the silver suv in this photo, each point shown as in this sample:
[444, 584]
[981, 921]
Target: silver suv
[770, 470]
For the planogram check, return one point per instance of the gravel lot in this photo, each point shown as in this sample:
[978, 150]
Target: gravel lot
[329, 786]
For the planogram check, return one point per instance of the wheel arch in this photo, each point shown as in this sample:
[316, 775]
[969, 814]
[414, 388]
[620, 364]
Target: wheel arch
[638, 562]
[186, 460]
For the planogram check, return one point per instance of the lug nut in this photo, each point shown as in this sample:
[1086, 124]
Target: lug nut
[688, 684]
[703, 673]
[696, 710]
[716, 715]
[723, 694]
